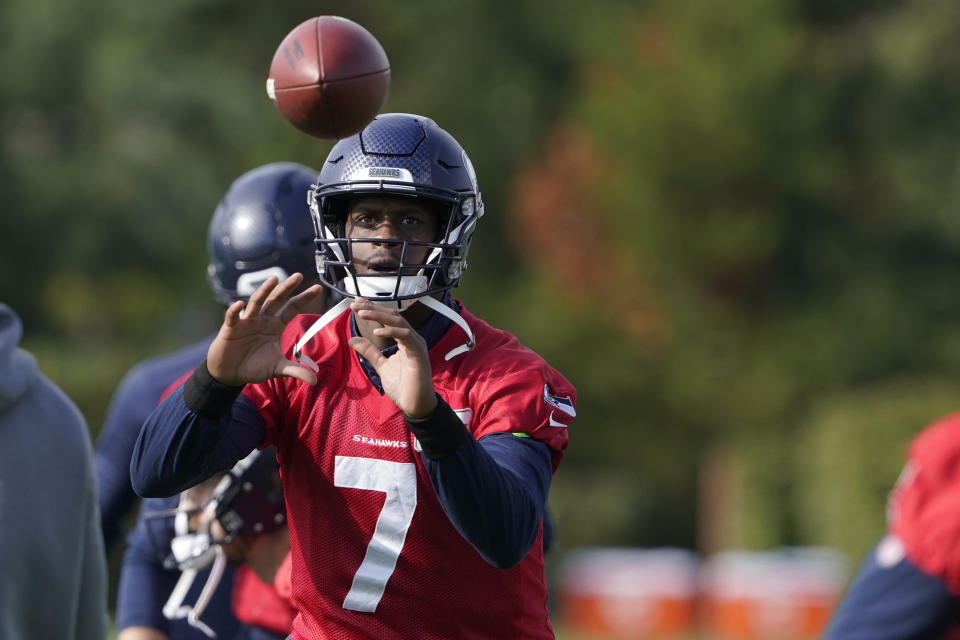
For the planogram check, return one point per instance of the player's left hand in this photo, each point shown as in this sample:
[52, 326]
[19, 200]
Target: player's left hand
[406, 376]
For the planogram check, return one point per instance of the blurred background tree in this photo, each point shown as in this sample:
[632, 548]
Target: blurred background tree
[762, 198]
[735, 228]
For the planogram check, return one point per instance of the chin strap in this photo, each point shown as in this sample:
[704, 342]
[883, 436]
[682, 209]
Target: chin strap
[449, 313]
[323, 321]
[341, 306]
[174, 609]
[183, 546]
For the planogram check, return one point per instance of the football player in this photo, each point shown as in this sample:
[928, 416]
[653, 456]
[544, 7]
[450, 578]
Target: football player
[416, 442]
[261, 227]
[233, 522]
[909, 584]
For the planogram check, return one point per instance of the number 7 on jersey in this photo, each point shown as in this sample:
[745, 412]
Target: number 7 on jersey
[399, 481]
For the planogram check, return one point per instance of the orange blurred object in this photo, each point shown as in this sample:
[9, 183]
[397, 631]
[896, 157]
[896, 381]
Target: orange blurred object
[630, 594]
[669, 594]
[777, 595]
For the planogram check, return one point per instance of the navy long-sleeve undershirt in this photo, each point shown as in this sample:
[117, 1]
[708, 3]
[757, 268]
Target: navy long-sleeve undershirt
[893, 602]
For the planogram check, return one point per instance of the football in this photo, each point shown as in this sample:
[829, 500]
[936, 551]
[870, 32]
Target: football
[329, 77]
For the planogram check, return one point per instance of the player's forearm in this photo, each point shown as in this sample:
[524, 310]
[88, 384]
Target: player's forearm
[494, 491]
[174, 450]
[180, 446]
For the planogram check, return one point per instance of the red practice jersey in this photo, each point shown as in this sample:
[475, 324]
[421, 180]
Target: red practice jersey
[924, 509]
[373, 552]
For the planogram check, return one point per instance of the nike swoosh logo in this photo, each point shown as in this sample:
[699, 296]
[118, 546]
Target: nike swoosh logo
[554, 423]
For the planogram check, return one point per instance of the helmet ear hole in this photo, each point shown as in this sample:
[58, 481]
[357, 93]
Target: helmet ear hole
[334, 215]
[443, 214]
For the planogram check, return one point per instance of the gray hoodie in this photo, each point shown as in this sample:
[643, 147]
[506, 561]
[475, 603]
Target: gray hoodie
[52, 565]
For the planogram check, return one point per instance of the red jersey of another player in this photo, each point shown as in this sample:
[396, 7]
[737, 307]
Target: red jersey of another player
[259, 604]
[374, 554]
[924, 509]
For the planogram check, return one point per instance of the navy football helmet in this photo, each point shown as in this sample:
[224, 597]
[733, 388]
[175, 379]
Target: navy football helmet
[405, 155]
[261, 228]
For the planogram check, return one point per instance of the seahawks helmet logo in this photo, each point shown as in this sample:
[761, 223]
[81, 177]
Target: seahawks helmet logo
[384, 172]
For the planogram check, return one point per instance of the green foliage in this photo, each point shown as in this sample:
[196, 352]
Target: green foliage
[852, 451]
[781, 182]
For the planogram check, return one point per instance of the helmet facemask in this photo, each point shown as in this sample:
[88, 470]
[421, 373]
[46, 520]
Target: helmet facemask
[440, 271]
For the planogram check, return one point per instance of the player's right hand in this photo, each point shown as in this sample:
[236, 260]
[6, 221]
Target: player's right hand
[247, 348]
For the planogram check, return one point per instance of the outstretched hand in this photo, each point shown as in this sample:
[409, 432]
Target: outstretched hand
[247, 348]
[406, 375]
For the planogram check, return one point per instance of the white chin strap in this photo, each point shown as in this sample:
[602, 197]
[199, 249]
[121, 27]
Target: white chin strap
[176, 610]
[321, 322]
[373, 287]
[450, 314]
[193, 551]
